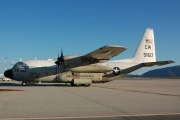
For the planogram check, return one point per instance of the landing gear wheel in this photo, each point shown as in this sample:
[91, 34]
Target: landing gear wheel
[24, 83]
[87, 85]
[72, 84]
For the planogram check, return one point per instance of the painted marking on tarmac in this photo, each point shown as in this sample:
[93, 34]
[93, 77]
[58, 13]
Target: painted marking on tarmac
[9, 90]
[137, 91]
[100, 116]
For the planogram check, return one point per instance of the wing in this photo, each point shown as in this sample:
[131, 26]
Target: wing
[103, 54]
[98, 56]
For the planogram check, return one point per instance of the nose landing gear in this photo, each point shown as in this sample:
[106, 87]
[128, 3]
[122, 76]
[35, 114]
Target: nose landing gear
[24, 83]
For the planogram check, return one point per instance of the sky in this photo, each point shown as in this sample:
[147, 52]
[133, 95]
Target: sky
[39, 28]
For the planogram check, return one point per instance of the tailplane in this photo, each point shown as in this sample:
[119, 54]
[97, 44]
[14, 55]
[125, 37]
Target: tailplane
[146, 49]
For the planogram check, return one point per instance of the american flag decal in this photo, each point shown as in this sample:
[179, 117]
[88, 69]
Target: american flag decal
[148, 41]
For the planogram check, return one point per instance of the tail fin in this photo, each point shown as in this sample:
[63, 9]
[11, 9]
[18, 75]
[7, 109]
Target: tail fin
[146, 49]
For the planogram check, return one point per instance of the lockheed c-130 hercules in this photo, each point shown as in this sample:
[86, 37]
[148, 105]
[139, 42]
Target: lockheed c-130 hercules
[93, 67]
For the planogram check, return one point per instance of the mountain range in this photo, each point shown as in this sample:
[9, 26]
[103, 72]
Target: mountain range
[168, 72]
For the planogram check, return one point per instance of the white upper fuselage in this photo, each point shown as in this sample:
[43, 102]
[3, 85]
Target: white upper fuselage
[122, 64]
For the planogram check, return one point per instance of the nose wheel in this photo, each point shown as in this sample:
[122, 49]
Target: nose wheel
[24, 83]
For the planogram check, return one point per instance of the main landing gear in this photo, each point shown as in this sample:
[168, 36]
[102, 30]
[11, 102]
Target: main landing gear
[85, 85]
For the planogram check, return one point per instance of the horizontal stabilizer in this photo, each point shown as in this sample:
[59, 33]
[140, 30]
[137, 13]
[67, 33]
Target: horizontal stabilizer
[157, 63]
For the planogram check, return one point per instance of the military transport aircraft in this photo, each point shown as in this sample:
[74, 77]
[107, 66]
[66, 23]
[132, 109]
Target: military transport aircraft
[93, 67]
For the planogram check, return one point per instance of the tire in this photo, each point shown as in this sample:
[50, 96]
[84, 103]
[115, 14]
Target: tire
[87, 85]
[24, 83]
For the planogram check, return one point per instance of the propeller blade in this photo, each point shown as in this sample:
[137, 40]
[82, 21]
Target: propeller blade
[60, 60]
[58, 55]
[61, 52]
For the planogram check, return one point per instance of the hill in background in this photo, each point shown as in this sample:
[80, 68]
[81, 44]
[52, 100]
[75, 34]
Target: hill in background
[168, 72]
[163, 72]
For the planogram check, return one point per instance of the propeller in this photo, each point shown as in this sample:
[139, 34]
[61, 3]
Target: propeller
[60, 60]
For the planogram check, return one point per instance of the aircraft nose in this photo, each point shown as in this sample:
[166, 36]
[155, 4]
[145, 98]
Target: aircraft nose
[8, 74]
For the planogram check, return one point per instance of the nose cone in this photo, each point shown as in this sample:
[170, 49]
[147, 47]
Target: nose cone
[8, 74]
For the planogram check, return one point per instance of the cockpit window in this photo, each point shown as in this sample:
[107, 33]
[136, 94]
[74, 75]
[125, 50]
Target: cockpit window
[18, 67]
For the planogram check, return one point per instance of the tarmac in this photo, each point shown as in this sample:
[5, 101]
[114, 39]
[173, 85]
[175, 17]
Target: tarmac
[118, 100]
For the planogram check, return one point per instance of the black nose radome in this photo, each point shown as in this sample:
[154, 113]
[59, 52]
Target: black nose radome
[8, 74]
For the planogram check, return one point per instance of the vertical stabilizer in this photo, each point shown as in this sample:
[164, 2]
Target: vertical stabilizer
[146, 49]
